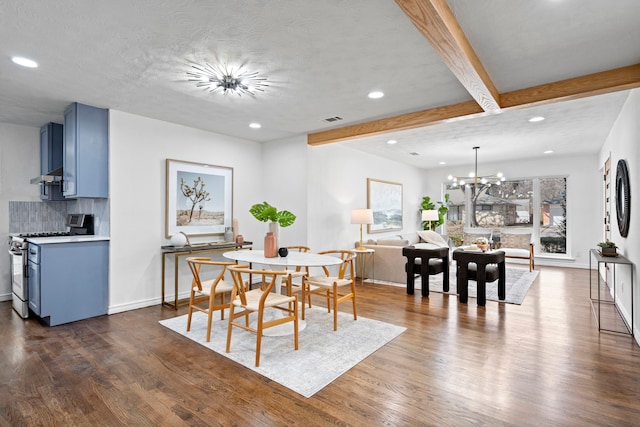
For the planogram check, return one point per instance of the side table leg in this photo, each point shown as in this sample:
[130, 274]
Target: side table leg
[481, 281]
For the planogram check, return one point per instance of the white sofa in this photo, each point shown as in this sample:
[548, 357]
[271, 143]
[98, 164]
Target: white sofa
[388, 262]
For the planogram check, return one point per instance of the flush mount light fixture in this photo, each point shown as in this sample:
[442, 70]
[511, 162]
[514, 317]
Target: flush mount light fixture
[255, 125]
[375, 94]
[548, 152]
[226, 79]
[25, 62]
[392, 141]
[443, 163]
[536, 119]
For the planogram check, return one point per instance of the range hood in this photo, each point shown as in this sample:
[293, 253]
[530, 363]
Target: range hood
[53, 177]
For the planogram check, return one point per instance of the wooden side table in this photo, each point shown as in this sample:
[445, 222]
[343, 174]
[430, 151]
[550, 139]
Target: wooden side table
[364, 255]
[483, 272]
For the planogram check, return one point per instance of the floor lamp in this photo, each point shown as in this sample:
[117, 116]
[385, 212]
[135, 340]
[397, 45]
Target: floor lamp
[430, 215]
[361, 216]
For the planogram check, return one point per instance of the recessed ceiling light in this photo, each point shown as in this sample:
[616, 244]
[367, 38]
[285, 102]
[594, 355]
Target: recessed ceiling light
[443, 163]
[375, 95]
[255, 125]
[25, 62]
[548, 152]
[392, 141]
[536, 119]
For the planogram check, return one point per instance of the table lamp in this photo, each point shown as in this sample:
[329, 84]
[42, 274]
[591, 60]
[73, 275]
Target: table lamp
[361, 216]
[430, 215]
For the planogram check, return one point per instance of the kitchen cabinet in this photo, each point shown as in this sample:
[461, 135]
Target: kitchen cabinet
[68, 281]
[86, 152]
[51, 138]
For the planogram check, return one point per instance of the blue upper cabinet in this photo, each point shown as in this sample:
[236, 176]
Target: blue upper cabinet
[86, 152]
[51, 159]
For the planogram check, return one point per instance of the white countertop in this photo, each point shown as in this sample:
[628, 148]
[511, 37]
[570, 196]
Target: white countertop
[65, 239]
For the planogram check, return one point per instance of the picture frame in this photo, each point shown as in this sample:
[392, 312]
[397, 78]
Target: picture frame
[384, 198]
[199, 198]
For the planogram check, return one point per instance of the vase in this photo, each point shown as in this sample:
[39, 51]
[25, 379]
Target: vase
[228, 234]
[274, 227]
[270, 245]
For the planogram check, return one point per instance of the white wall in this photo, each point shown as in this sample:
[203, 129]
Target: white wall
[19, 162]
[138, 148]
[338, 183]
[623, 143]
[584, 189]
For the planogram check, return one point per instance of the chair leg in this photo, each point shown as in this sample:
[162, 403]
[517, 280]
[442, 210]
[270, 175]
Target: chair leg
[295, 323]
[230, 328]
[209, 316]
[190, 311]
[259, 338]
[335, 308]
[353, 299]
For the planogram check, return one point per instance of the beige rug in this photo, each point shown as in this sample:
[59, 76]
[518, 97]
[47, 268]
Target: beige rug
[323, 354]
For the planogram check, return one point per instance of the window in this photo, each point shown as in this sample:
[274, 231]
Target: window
[513, 205]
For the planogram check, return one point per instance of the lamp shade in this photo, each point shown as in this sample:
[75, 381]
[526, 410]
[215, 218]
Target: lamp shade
[430, 215]
[362, 216]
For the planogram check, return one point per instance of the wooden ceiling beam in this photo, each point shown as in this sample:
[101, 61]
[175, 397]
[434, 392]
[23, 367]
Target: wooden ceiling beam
[618, 79]
[435, 20]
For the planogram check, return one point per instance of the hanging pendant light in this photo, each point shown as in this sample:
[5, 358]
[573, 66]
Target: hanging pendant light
[475, 179]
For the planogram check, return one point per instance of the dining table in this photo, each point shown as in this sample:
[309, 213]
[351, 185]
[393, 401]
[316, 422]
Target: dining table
[291, 261]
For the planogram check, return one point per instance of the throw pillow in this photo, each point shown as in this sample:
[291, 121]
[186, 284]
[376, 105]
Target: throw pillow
[432, 237]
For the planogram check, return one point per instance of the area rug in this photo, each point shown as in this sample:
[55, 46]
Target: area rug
[322, 356]
[519, 280]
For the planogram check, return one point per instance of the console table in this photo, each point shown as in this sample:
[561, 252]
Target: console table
[191, 250]
[598, 301]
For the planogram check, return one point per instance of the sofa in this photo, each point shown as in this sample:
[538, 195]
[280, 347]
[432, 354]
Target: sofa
[388, 262]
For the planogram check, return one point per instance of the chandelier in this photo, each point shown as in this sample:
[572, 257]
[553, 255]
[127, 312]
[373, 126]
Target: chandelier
[475, 179]
[226, 79]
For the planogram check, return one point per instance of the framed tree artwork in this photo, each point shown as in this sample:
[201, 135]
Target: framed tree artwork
[385, 199]
[199, 198]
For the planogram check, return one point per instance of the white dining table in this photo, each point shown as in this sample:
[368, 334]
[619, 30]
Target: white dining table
[291, 261]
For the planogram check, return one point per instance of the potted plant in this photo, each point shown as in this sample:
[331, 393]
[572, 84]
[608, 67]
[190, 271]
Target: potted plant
[608, 248]
[427, 204]
[266, 213]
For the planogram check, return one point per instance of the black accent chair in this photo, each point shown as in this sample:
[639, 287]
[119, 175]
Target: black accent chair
[426, 262]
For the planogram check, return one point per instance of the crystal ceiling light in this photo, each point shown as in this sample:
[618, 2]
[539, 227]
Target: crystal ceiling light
[226, 79]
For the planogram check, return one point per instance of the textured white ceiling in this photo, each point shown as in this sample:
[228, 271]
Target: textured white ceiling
[321, 59]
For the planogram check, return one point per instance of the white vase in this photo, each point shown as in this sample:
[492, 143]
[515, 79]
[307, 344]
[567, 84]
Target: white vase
[274, 228]
[178, 240]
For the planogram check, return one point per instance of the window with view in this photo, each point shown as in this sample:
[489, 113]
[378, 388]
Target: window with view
[511, 206]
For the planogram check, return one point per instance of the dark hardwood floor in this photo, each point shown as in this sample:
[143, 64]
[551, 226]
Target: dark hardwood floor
[540, 363]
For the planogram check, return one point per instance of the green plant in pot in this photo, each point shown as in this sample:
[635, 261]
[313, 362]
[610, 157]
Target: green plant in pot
[266, 213]
[427, 204]
[608, 248]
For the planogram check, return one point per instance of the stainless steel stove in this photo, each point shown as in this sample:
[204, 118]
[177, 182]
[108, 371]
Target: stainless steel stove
[79, 224]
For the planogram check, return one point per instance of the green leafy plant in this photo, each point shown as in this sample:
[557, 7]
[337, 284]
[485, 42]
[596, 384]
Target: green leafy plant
[266, 213]
[607, 244]
[427, 204]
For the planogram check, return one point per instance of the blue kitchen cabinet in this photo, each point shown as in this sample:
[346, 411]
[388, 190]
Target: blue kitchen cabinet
[86, 152]
[68, 281]
[51, 139]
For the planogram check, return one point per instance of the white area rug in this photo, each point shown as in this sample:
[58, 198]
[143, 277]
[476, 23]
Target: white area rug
[323, 354]
[519, 281]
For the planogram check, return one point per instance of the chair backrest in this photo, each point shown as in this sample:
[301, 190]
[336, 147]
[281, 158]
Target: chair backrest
[472, 233]
[243, 274]
[515, 239]
[195, 264]
[344, 269]
[299, 248]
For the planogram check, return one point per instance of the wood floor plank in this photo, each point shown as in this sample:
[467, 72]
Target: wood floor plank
[540, 363]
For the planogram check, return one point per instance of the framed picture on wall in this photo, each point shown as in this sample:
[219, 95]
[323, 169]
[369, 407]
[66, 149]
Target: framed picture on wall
[199, 198]
[385, 199]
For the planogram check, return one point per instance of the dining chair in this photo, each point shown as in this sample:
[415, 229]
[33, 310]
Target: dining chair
[335, 288]
[298, 272]
[245, 301]
[208, 290]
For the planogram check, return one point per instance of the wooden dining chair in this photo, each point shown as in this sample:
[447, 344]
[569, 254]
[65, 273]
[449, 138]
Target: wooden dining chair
[245, 301]
[208, 290]
[298, 272]
[335, 288]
